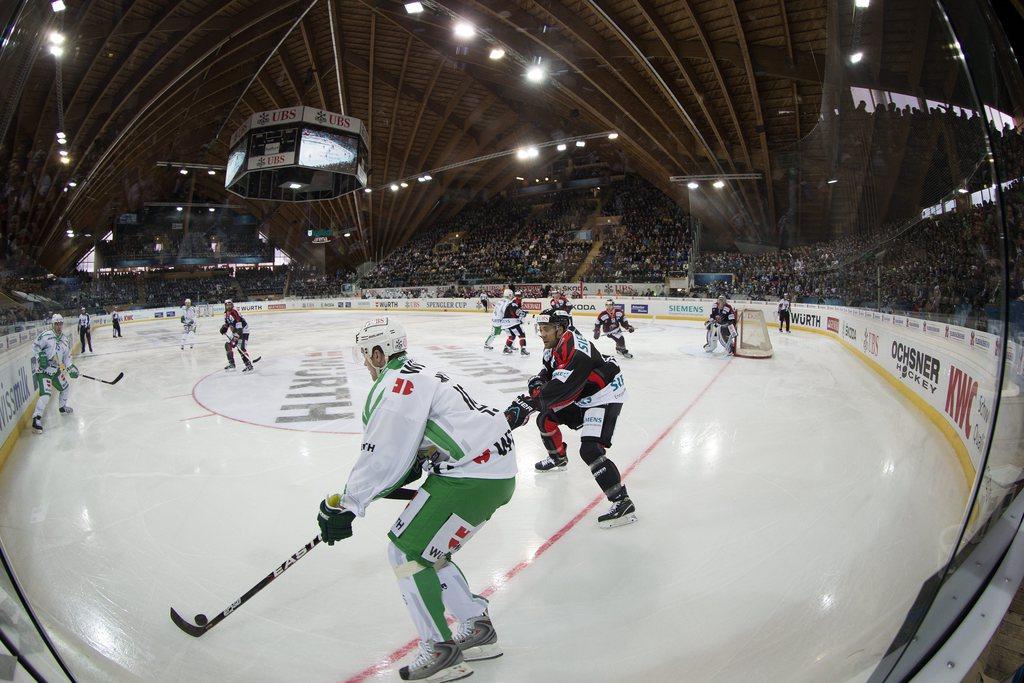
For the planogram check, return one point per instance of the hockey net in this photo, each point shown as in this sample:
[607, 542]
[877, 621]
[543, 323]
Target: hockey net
[752, 335]
[204, 310]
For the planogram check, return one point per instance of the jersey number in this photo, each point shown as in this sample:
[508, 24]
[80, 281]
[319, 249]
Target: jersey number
[402, 386]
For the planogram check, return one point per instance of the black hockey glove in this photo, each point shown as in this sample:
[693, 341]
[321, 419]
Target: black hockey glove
[597, 335]
[534, 386]
[335, 523]
[631, 329]
[223, 329]
[707, 324]
[518, 412]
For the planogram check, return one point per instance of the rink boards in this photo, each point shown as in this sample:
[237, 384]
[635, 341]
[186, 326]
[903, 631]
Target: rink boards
[949, 372]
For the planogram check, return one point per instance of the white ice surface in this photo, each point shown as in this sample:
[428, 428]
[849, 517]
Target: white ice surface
[789, 511]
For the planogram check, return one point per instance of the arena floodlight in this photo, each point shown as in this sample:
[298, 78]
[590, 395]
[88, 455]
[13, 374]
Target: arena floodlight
[413, 7]
[833, 181]
[535, 74]
[57, 51]
[856, 57]
[367, 190]
[718, 184]
[404, 184]
[58, 6]
[496, 53]
[211, 172]
[178, 208]
[394, 188]
[56, 38]
[519, 177]
[183, 171]
[63, 153]
[692, 185]
[581, 143]
[72, 184]
[294, 186]
[962, 190]
[463, 30]
[211, 209]
[561, 147]
[61, 135]
[861, 4]
[65, 160]
[347, 234]
[613, 136]
[428, 177]
[62, 141]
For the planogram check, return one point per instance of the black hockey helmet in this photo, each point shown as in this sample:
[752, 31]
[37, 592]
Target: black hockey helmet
[555, 316]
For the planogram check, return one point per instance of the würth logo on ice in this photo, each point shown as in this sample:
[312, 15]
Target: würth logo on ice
[318, 388]
[960, 398]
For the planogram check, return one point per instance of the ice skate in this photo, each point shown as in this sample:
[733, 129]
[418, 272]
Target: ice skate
[37, 424]
[67, 410]
[620, 513]
[507, 350]
[624, 353]
[230, 366]
[552, 464]
[478, 639]
[437, 662]
[488, 347]
[248, 368]
[523, 351]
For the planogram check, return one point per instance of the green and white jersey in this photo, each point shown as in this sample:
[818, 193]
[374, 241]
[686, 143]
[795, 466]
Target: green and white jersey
[412, 409]
[189, 314]
[498, 312]
[50, 349]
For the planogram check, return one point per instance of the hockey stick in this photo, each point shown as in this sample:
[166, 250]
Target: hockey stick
[244, 353]
[202, 625]
[97, 379]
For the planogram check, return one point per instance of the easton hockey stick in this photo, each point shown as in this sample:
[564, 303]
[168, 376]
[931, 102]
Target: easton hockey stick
[202, 624]
[105, 381]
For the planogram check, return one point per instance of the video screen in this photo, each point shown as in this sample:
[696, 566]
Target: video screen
[236, 160]
[328, 151]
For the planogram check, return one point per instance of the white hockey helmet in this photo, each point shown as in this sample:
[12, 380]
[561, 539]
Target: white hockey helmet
[387, 333]
[57, 319]
[188, 302]
[229, 302]
[609, 302]
[507, 293]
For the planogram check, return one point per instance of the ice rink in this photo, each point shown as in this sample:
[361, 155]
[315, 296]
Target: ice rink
[789, 510]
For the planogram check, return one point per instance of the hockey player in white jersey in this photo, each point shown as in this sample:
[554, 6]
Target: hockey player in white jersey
[497, 317]
[419, 418]
[52, 369]
[188, 320]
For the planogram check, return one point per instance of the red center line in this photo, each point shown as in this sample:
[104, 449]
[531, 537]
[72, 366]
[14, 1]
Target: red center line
[403, 651]
[195, 417]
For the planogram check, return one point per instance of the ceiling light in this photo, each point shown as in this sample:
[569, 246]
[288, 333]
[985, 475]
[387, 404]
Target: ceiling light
[404, 184]
[179, 209]
[519, 177]
[833, 181]
[183, 171]
[58, 6]
[211, 209]
[962, 190]
[72, 184]
[60, 135]
[464, 30]
[861, 4]
[856, 57]
[367, 190]
[347, 234]
[421, 179]
[718, 184]
[613, 136]
[56, 50]
[65, 160]
[496, 53]
[535, 74]
[428, 177]
[561, 147]
[545, 178]
[581, 143]
[56, 38]
[692, 185]
[62, 141]
[536, 180]
[394, 188]
[294, 186]
[413, 7]
[211, 172]
[63, 153]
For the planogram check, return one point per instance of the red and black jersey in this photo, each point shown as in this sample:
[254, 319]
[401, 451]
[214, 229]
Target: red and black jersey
[726, 315]
[234, 320]
[573, 370]
[513, 308]
[611, 322]
[560, 303]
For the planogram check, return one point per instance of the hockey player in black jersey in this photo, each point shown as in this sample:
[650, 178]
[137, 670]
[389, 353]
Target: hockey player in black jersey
[611, 321]
[721, 326]
[584, 390]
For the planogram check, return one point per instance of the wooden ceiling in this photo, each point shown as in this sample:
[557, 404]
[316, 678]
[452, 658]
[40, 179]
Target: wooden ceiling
[692, 86]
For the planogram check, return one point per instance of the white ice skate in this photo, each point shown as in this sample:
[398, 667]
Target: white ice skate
[478, 639]
[435, 663]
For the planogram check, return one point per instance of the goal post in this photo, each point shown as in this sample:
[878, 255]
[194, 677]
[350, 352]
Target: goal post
[752, 335]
